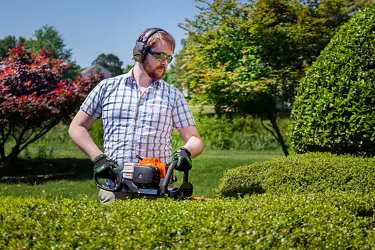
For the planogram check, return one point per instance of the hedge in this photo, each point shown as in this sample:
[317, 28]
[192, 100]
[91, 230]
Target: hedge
[311, 172]
[306, 221]
[334, 107]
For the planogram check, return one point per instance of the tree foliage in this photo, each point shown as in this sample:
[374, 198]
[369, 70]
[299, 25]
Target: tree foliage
[334, 108]
[49, 39]
[110, 62]
[248, 56]
[292, 34]
[34, 98]
[171, 77]
[7, 43]
[46, 38]
[127, 68]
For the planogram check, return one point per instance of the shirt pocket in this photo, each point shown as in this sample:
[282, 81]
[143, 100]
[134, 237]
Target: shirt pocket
[158, 113]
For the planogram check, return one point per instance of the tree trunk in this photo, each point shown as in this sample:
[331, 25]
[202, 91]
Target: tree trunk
[278, 136]
[2, 154]
[7, 162]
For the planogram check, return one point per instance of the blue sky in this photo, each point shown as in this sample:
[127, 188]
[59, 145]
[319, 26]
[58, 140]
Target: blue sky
[93, 27]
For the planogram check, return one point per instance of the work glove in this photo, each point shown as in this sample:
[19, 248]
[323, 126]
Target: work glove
[182, 156]
[103, 167]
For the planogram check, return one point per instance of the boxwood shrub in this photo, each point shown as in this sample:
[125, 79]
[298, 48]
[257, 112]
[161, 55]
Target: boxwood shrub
[311, 172]
[334, 107]
[330, 220]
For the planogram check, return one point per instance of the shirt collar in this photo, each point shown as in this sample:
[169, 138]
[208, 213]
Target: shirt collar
[129, 79]
[155, 84]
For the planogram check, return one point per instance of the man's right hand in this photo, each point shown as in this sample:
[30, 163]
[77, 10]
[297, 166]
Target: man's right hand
[103, 167]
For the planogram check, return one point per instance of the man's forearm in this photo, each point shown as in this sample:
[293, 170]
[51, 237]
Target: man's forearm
[195, 146]
[81, 136]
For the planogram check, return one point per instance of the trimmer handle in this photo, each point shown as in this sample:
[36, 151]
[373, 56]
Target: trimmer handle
[118, 181]
[186, 176]
[168, 175]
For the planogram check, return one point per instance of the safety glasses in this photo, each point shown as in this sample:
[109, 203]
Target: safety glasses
[160, 56]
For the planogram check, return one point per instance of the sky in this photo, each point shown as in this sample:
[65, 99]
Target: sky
[93, 27]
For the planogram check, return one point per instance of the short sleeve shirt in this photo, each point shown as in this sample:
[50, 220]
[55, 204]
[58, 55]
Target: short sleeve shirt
[134, 123]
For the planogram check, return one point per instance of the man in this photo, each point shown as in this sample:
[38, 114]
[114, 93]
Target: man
[139, 111]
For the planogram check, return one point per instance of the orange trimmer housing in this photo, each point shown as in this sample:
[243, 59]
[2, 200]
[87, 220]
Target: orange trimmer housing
[155, 162]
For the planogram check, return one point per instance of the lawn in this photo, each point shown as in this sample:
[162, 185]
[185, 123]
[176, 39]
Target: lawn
[55, 153]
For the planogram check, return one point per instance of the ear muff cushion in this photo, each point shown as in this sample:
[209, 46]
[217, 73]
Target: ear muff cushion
[139, 51]
[140, 47]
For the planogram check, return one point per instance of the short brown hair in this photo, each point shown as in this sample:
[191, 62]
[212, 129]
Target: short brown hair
[162, 36]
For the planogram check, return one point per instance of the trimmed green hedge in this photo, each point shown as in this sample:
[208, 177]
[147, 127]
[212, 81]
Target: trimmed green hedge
[334, 108]
[315, 221]
[311, 172]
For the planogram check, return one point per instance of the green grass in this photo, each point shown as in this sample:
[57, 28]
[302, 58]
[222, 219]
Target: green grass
[207, 170]
[209, 167]
[56, 153]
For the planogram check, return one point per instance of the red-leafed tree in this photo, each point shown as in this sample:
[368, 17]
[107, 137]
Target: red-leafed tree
[34, 99]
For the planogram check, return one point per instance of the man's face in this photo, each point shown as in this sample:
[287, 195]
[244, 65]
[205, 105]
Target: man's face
[156, 68]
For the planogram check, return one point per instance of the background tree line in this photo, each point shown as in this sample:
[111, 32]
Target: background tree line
[48, 38]
[247, 57]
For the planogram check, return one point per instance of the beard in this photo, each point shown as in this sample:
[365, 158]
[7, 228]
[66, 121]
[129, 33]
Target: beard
[155, 73]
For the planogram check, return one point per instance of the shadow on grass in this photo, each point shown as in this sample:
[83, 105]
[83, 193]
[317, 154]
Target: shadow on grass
[39, 170]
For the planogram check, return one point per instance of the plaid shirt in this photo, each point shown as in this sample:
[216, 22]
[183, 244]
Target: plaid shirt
[136, 124]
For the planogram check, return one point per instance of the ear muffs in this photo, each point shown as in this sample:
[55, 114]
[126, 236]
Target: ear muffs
[140, 48]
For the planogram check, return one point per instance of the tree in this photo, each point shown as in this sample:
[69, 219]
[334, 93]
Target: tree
[34, 98]
[171, 78]
[292, 34]
[248, 57]
[222, 63]
[334, 108]
[7, 43]
[110, 62]
[127, 68]
[49, 39]
[182, 78]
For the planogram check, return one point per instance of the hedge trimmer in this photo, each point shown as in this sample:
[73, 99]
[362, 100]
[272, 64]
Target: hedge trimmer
[149, 178]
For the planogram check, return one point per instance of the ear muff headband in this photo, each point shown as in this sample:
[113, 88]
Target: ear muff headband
[140, 47]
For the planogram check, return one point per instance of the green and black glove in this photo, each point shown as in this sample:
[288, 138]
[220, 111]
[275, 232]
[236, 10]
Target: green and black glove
[103, 167]
[182, 156]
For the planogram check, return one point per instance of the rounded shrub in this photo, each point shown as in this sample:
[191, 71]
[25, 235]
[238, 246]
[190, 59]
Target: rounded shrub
[334, 110]
[311, 172]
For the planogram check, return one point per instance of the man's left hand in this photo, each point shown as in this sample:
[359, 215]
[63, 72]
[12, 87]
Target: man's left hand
[182, 156]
